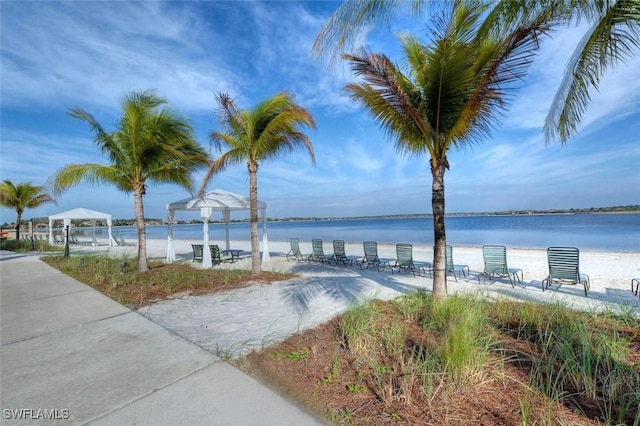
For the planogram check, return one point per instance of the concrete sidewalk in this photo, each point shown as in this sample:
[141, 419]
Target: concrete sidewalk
[70, 355]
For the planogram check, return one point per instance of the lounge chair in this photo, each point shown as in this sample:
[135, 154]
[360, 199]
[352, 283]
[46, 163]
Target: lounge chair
[637, 281]
[339, 255]
[197, 252]
[564, 268]
[371, 257]
[218, 256]
[495, 264]
[122, 242]
[405, 262]
[58, 240]
[78, 242]
[452, 267]
[317, 253]
[295, 252]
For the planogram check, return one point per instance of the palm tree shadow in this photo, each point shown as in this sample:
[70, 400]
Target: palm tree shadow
[346, 288]
[300, 295]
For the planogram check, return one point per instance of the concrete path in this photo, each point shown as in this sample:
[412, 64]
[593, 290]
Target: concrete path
[70, 355]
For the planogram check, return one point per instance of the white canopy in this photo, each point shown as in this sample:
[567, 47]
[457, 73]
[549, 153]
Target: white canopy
[81, 213]
[216, 200]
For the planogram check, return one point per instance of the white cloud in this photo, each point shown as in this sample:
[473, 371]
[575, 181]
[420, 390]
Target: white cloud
[61, 54]
[91, 53]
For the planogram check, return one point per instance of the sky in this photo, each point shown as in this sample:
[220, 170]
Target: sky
[60, 55]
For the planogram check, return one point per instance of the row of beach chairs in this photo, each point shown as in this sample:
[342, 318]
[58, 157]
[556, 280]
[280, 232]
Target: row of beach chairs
[403, 262]
[563, 262]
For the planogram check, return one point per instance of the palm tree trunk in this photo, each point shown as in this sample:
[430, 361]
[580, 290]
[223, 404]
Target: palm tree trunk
[142, 237]
[18, 220]
[439, 235]
[253, 213]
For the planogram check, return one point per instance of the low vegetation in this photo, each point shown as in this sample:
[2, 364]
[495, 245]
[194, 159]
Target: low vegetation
[462, 361]
[24, 246]
[415, 360]
[119, 279]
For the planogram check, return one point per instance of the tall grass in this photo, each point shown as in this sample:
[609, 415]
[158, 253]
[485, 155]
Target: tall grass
[399, 366]
[466, 339]
[582, 359]
[575, 359]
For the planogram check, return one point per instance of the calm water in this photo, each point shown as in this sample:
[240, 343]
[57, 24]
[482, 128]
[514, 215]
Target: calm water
[609, 232]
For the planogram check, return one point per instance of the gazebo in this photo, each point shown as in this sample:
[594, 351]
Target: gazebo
[84, 214]
[216, 200]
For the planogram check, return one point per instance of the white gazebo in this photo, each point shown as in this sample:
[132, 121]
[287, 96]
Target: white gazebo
[216, 200]
[84, 214]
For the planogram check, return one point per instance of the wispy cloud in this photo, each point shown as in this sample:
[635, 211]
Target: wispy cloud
[90, 53]
[56, 55]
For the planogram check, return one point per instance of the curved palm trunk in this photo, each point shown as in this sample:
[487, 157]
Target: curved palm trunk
[142, 237]
[18, 220]
[253, 213]
[439, 235]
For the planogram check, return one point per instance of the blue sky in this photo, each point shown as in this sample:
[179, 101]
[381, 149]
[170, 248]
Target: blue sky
[58, 55]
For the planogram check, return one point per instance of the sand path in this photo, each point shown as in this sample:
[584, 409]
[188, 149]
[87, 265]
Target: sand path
[235, 322]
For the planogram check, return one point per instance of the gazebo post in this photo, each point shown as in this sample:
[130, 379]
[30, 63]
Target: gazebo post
[226, 215]
[205, 214]
[171, 253]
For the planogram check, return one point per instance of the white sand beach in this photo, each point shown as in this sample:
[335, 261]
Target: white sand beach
[235, 322]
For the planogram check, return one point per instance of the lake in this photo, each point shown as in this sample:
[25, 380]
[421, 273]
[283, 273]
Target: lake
[608, 232]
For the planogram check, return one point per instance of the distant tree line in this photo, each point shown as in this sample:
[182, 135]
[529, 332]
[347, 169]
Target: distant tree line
[633, 208]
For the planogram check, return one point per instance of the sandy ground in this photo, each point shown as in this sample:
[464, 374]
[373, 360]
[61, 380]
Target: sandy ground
[236, 322]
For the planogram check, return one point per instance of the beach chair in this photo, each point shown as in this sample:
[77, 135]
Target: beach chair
[564, 268]
[371, 257]
[74, 240]
[637, 281]
[495, 265]
[218, 256]
[452, 267]
[405, 262]
[122, 242]
[294, 253]
[317, 253]
[339, 255]
[197, 252]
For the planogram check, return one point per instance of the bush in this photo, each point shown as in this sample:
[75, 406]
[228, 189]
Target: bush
[24, 246]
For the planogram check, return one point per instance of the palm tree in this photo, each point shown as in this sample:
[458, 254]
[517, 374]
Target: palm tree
[22, 196]
[149, 145]
[613, 36]
[450, 95]
[253, 136]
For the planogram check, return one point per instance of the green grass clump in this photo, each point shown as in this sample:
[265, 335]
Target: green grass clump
[465, 335]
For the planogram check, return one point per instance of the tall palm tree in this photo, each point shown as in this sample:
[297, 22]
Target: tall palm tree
[252, 136]
[150, 144]
[451, 94]
[22, 196]
[613, 36]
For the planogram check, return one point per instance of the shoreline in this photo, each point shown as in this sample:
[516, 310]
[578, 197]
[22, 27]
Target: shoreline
[605, 268]
[235, 322]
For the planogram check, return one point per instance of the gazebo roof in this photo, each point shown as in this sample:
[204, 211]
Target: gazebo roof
[216, 200]
[80, 213]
